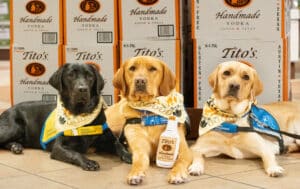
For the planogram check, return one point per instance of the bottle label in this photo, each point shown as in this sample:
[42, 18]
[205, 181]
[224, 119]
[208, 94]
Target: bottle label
[166, 149]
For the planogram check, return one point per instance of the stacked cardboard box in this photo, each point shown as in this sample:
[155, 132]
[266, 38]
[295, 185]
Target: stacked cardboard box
[36, 37]
[151, 27]
[91, 35]
[251, 30]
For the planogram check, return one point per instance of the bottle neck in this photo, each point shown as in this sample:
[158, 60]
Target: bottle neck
[172, 125]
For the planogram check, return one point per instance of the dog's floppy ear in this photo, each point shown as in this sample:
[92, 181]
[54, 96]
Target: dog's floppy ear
[56, 78]
[99, 79]
[257, 87]
[168, 82]
[213, 79]
[119, 80]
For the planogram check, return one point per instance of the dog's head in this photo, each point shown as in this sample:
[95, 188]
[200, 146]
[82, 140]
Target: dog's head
[235, 82]
[143, 78]
[79, 86]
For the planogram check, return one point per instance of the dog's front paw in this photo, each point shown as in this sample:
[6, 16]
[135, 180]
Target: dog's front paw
[177, 178]
[196, 169]
[16, 148]
[90, 165]
[275, 171]
[135, 178]
[123, 152]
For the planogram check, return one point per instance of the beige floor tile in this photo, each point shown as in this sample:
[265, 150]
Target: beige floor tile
[223, 165]
[32, 161]
[290, 180]
[30, 182]
[6, 172]
[210, 183]
[288, 158]
[107, 177]
[112, 175]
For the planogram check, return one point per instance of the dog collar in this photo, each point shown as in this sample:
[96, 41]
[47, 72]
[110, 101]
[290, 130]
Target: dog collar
[213, 117]
[87, 130]
[153, 120]
[148, 120]
[59, 122]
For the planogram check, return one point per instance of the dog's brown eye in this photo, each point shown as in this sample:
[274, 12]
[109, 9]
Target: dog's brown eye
[246, 77]
[89, 76]
[132, 68]
[152, 69]
[227, 73]
[71, 75]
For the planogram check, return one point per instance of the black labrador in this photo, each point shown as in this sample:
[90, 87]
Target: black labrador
[79, 87]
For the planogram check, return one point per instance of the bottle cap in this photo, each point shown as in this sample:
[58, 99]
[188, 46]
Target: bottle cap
[172, 118]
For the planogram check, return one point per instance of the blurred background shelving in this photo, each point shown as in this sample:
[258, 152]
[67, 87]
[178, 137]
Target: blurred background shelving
[4, 30]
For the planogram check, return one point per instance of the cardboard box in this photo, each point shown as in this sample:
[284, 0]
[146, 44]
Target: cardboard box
[149, 19]
[31, 69]
[167, 51]
[103, 55]
[268, 57]
[239, 19]
[36, 22]
[90, 22]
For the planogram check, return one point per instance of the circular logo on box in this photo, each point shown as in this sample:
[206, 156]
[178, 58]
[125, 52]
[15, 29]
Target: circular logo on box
[147, 2]
[35, 7]
[89, 6]
[237, 3]
[35, 69]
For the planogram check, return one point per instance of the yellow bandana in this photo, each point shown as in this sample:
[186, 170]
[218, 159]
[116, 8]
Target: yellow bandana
[213, 117]
[165, 106]
[61, 121]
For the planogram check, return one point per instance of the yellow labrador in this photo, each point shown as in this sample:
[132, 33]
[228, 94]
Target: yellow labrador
[142, 80]
[235, 86]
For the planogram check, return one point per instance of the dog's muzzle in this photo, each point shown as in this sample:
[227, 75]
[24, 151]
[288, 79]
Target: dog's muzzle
[140, 84]
[233, 89]
[82, 93]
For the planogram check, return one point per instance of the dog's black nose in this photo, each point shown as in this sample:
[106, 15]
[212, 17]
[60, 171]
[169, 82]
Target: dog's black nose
[234, 87]
[82, 89]
[140, 84]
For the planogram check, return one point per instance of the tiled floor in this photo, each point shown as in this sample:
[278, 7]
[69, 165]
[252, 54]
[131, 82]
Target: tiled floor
[35, 169]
